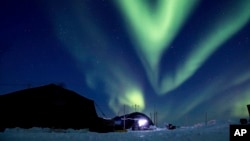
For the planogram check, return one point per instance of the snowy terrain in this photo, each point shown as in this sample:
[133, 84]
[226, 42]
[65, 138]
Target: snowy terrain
[213, 131]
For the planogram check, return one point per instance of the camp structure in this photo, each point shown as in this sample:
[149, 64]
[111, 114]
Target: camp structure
[134, 121]
[50, 106]
[244, 121]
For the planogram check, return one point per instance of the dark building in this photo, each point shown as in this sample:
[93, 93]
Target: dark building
[49, 106]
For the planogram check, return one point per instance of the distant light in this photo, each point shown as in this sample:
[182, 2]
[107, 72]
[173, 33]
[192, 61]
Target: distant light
[142, 122]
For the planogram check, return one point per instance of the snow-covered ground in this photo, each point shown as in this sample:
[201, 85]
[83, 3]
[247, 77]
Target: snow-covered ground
[213, 131]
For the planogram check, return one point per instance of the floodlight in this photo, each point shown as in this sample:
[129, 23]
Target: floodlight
[142, 122]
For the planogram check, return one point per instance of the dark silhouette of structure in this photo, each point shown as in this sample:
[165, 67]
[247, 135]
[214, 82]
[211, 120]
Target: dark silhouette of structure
[244, 121]
[50, 106]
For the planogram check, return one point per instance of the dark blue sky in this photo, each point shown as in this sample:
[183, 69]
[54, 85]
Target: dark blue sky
[180, 58]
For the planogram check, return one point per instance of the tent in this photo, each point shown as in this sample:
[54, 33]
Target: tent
[134, 121]
[49, 106]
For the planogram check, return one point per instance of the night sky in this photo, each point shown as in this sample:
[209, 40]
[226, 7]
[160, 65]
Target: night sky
[181, 58]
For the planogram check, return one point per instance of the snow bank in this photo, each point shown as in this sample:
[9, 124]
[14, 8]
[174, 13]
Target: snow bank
[213, 131]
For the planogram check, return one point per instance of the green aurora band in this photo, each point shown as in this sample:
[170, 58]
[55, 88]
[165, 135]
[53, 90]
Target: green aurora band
[153, 30]
[162, 25]
[120, 85]
[220, 33]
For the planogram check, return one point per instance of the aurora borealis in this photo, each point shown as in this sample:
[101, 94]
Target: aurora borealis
[159, 28]
[180, 58]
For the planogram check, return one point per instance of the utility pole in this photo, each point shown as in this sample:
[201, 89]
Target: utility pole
[155, 118]
[206, 119]
[136, 107]
[124, 128]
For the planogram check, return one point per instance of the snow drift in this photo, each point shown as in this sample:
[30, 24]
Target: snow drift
[213, 131]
